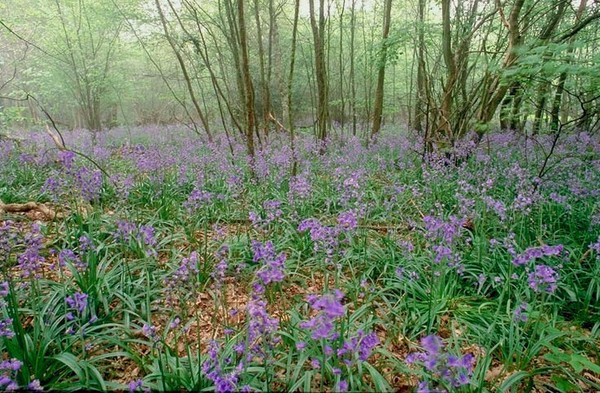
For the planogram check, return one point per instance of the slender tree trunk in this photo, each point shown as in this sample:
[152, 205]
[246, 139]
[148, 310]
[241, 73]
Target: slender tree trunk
[318, 30]
[279, 71]
[560, 88]
[352, 71]
[341, 67]
[265, 103]
[421, 72]
[290, 81]
[545, 35]
[184, 71]
[378, 107]
[249, 92]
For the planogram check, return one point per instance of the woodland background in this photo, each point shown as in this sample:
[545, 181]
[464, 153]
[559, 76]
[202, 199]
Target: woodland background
[250, 67]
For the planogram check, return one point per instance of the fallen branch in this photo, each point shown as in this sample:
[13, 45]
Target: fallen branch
[277, 122]
[27, 207]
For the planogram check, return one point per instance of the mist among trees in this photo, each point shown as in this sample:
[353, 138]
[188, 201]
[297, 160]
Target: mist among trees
[254, 67]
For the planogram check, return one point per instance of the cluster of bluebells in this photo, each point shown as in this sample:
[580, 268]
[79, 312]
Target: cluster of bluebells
[327, 238]
[271, 212]
[123, 184]
[533, 253]
[30, 262]
[444, 236]
[272, 269]
[444, 369]
[496, 206]
[151, 332]
[329, 308]
[351, 190]
[261, 335]
[8, 239]
[322, 328]
[199, 198]
[261, 331]
[77, 305]
[543, 279]
[137, 385]
[262, 327]
[8, 370]
[182, 278]
[519, 314]
[596, 247]
[86, 244]
[5, 323]
[224, 381]
[358, 348]
[68, 257]
[300, 189]
[127, 232]
[220, 270]
[87, 182]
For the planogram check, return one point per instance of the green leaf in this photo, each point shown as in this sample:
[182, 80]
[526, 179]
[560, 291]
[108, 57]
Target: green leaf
[69, 360]
[563, 384]
[580, 362]
[513, 380]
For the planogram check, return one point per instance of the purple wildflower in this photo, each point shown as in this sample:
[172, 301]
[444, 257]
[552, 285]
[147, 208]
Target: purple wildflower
[533, 253]
[35, 386]
[197, 199]
[30, 261]
[89, 183]
[329, 308]
[300, 345]
[347, 220]
[272, 269]
[180, 279]
[300, 188]
[596, 247]
[5, 328]
[150, 332]
[135, 385]
[86, 244]
[442, 366]
[8, 370]
[342, 386]
[543, 279]
[68, 256]
[4, 289]
[78, 302]
[211, 368]
[519, 313]
[218, 274]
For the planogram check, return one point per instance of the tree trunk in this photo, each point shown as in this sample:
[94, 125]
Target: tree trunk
[265, 95]
[184, 71]
[497, 90]
[445, 128]
[378, 107]
[421, 75]
[249, 91]
[318, 30]
[352, 71]
[290, 81]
